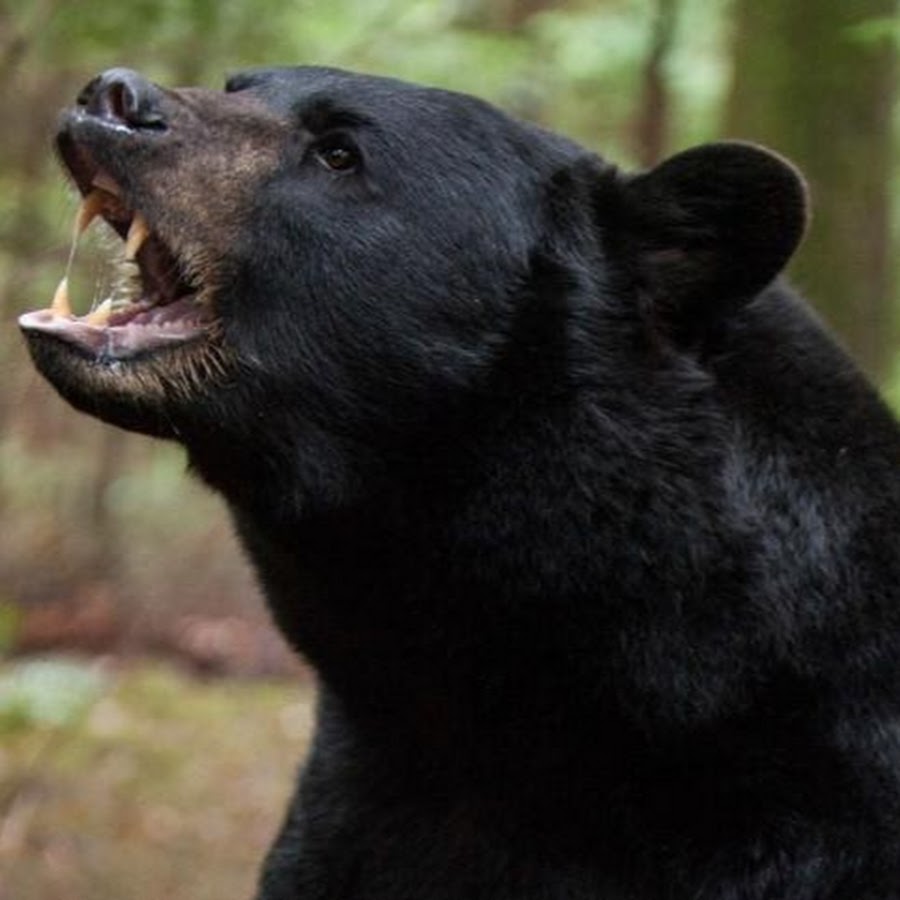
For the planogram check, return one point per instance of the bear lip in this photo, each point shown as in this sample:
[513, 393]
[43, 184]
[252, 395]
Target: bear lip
[171, 309]
[128, 332]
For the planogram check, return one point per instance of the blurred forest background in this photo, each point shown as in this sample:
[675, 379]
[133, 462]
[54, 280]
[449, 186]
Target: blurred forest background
[106, 543]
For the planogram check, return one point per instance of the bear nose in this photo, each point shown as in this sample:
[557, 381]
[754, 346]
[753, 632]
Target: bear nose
[123, 95]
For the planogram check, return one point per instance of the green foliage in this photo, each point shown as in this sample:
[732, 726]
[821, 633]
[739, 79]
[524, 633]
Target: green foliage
[574, 65]
[892, 387]
[47, 693]
[876, 30]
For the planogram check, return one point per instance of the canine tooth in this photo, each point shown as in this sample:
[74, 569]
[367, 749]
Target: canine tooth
[137, 234]
[88, 211]
[100, 316]
[60, 306]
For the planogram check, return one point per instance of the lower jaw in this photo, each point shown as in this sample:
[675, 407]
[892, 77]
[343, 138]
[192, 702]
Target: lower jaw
[146, 392]
[142, 335]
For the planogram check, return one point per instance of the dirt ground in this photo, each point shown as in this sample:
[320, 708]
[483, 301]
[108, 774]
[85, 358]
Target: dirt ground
[138, 781]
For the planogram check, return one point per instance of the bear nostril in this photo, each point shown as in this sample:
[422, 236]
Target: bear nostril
[121, 102]
[124, 96]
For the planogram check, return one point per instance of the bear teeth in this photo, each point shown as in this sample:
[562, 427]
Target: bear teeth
[99, 201]
[91, 207]
[138, 232]
[104, 199]
[100, 316]
[161, 281]
[60, 307]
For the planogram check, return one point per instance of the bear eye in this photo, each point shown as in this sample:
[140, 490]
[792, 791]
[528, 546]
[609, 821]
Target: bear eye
[339, 157]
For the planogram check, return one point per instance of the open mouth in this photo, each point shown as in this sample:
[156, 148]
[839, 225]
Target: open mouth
[158, 305]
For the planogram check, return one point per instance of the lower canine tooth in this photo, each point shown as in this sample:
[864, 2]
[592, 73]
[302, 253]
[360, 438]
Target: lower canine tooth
[60, 306]
[100, 316]
[137, 234]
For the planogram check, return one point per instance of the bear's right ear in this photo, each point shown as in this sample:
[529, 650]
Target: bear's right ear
[708, 229]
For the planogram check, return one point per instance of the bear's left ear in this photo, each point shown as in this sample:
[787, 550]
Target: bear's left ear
[706, 230]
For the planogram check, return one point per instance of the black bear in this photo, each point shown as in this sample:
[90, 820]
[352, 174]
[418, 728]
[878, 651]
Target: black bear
[589, 528]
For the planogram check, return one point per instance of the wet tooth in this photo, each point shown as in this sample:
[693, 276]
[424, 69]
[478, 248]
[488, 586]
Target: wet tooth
[137, 234]
[100, 316]
[88, 211]
[60, 306]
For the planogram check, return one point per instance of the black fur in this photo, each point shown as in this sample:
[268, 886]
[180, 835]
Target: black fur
[589, 528]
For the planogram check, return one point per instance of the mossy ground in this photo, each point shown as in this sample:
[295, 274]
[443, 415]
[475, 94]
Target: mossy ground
[154, 786]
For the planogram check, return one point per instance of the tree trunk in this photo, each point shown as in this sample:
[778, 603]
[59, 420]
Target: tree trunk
[814, 80]
[651, 124]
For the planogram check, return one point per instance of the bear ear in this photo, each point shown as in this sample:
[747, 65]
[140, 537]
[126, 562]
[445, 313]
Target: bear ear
[706, 230]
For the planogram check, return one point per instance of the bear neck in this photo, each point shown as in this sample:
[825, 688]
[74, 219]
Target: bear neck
[428, 601]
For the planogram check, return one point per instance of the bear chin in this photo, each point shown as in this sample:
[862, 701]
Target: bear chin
[139, 392]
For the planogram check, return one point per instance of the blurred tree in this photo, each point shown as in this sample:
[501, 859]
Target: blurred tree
[651, 125]
[815, 79]
[514, 14]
